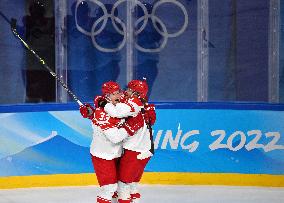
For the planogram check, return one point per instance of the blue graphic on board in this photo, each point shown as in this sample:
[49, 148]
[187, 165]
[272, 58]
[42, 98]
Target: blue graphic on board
[54, 156]
[186, 140]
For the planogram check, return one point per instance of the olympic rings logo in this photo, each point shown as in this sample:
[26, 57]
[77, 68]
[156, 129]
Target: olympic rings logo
[161, 29]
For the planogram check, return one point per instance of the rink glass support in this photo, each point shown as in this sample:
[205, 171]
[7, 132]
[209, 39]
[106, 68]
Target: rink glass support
[273, 51]
[202, 50]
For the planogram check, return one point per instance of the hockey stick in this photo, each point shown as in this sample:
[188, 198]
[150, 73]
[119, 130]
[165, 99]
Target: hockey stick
[13, 24]
[152, 150]
[5, 18]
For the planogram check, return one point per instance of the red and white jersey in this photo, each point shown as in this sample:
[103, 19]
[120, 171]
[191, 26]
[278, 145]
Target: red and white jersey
[140, 141]
[107, 137]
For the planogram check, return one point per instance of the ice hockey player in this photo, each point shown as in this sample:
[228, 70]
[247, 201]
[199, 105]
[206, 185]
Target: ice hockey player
[106, 146]
[138, 148]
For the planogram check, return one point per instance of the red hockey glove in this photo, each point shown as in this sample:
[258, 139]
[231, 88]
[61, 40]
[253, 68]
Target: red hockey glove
[100, 101]
[133, 124]
[150, 114]
[87, 111]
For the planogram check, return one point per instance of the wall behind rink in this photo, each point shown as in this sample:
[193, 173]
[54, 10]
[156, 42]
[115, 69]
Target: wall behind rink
[194, 145]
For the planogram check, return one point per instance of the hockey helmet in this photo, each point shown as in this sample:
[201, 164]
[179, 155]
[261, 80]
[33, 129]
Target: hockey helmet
[139, 86]
[110, 87]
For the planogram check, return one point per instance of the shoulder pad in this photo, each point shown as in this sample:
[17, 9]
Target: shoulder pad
[100, 115]
[103, 120]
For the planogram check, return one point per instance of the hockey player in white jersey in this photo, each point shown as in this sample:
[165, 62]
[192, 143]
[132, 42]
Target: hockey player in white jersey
[138, 148]
[106, 146]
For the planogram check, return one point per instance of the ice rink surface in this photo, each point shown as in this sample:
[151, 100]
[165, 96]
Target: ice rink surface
[150, 194]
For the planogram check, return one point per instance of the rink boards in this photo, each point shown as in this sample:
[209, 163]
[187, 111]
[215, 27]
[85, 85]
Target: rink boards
[48, 145]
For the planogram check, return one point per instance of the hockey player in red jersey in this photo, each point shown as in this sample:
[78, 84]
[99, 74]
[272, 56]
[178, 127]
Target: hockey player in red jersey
[138, 148]
[106, 146]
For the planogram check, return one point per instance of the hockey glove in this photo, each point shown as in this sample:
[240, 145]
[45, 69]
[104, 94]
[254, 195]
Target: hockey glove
[87, 111]
[133, 124]
[100, 101]
[150, 114]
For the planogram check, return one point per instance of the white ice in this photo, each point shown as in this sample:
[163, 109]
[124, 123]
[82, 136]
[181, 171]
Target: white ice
[150, 194]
